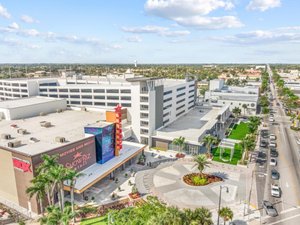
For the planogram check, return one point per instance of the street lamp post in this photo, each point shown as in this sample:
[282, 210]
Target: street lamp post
[227, 190]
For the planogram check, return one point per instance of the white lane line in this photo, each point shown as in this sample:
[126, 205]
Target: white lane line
[289, 210]
[285, 219]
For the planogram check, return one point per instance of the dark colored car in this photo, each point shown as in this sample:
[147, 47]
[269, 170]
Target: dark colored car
[262, 156]
[275, 174]
[270, 210]
[264, 133]
[273, 152]
[277, 104]
[263, 143]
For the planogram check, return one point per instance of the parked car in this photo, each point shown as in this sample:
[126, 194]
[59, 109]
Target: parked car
[264, 133]
[273, 152]
[275, 191]
[275, 174]
[272, 137]
[263, 144]
[277, 104]
[269, 208]
[271, 119]
[298, 141]
[273, 162]
[273, 144]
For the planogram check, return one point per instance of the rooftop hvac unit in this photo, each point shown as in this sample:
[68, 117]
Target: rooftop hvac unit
[60, 139]
[43, 114]
[33, 140]
[22, 131]
[5, 136]
[45, 124]
[14, 144]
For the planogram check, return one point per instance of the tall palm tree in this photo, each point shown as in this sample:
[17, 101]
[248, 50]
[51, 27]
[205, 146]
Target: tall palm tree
[203, 216]
[179, 142]
[38, 189]
[209, 140]
[67, 215]
[248, 144]
[52, 217]
[201, 162]
[254, 122]
[72, 176]
[236, 111]
[226, 213]
[244, 107]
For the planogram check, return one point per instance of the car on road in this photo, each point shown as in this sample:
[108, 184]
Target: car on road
[271, 119]
[272, 137]
[298, 141]
[262, 156]
[264, 133]
[269, 208]
[275, 191]
[273, 152]
[273, 162]
[273, 144]
[263, 144]
[275, 174]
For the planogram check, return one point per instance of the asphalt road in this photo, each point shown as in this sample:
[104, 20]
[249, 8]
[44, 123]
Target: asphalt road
[288, 165]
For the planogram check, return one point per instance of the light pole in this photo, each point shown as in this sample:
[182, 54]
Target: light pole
[227, 190]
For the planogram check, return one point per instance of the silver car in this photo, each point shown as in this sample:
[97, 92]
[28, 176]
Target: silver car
[270, 210]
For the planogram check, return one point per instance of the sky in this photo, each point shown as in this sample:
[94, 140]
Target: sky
[149, 31]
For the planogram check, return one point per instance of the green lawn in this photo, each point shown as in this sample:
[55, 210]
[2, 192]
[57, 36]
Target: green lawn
[95, 221]
[239, 131]
[238, 151]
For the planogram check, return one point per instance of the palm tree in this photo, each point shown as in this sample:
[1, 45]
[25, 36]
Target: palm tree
[209, 140]
[67, 215]
[203, 216]
[201, 162]
[244, 107]
[71, 177]
[236, 111]
[37, 189]
[254, 122]
[53, 216]
[179, 142]
[226, 213]
[248, 144]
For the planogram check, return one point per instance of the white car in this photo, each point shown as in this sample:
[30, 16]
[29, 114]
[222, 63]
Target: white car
[271, 119]
[272, 137]
[275, 190]
[298, 141]
[273, 162]
[272, 144]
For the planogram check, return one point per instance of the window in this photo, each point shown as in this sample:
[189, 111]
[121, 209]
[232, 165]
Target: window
[112, 97]
[86, 90]
[43, 95]
[87, 103]
[166, 114]
[167, 92]
[42, 89]
[15, 90]
[74, 96]
[15, 84]
[191, 91]
[125, 98]
[112, 104]
[53, 96]
[144, 107]
[23, 85]
[98, 90]
[144, 124]
[168, 106]
[180, 89]
[168, 99]
[100, 103]
[126, 91]
[191, 101]
[190, 107]
[53, 90]
[44, 84]
[144, 115]
[99, 97]
[182, 100]
[64, 96]
[86, 96]
[75, 102]
[182, 94]
[192, 85]
[74, 90]
[126, 105]
[178, 114]
[63, 90]
[166, 121]
[112, 91]
[180, 107]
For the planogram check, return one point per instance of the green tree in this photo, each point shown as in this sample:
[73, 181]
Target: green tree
[209, 140]
[201, 163]
[179, 142]
[38, 190]
[248, 144]
[244, 106]
[236, 111]
[226, 213]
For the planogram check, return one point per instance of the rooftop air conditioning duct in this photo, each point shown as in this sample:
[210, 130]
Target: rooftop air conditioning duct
[60, 139]
[14, 144]
[5, 136]
[45, 124]
[33, 140]
[22, 131]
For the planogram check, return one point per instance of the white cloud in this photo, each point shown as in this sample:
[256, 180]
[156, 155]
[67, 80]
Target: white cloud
[200, 22]
[262, 37]
[4, 13]
[18, 43]
[30, 32]
[28, 19]
[194, 13]
[134, 39]
[14, 26]
[263, 5]
[162, 31]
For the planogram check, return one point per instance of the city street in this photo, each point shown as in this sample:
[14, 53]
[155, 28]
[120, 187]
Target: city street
[288, 167]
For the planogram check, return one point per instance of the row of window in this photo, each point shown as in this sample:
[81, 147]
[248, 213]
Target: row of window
[126, 98]
[167, 100]
[110, 104]
[13, 84]
[179, 101]
[182, 94]
[191, 101]
[180, 89]
[48, 84]
[13, 90]
[166, 121]
[180, 107]
[178, 114]
[192, 85]
[168, 92]
[168, 106]
[112, 91]
[190, 107]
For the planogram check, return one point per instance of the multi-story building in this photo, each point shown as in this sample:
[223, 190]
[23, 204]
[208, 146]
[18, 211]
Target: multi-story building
[245, 98]
[151, 102]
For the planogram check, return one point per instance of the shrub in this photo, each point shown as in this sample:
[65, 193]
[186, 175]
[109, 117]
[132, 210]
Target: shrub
[197, 180]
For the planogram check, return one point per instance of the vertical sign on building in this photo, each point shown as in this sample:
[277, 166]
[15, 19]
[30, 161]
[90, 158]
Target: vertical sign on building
[118, 112]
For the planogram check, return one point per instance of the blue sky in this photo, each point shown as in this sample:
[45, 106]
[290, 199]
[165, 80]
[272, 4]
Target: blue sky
[149, 31]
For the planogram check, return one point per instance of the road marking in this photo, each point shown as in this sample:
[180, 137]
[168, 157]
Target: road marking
[289, 210]
[285, 219]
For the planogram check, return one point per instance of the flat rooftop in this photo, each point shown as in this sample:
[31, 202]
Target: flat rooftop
[191, 125]
[96, 172]
[21, 102]
[68, 124]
